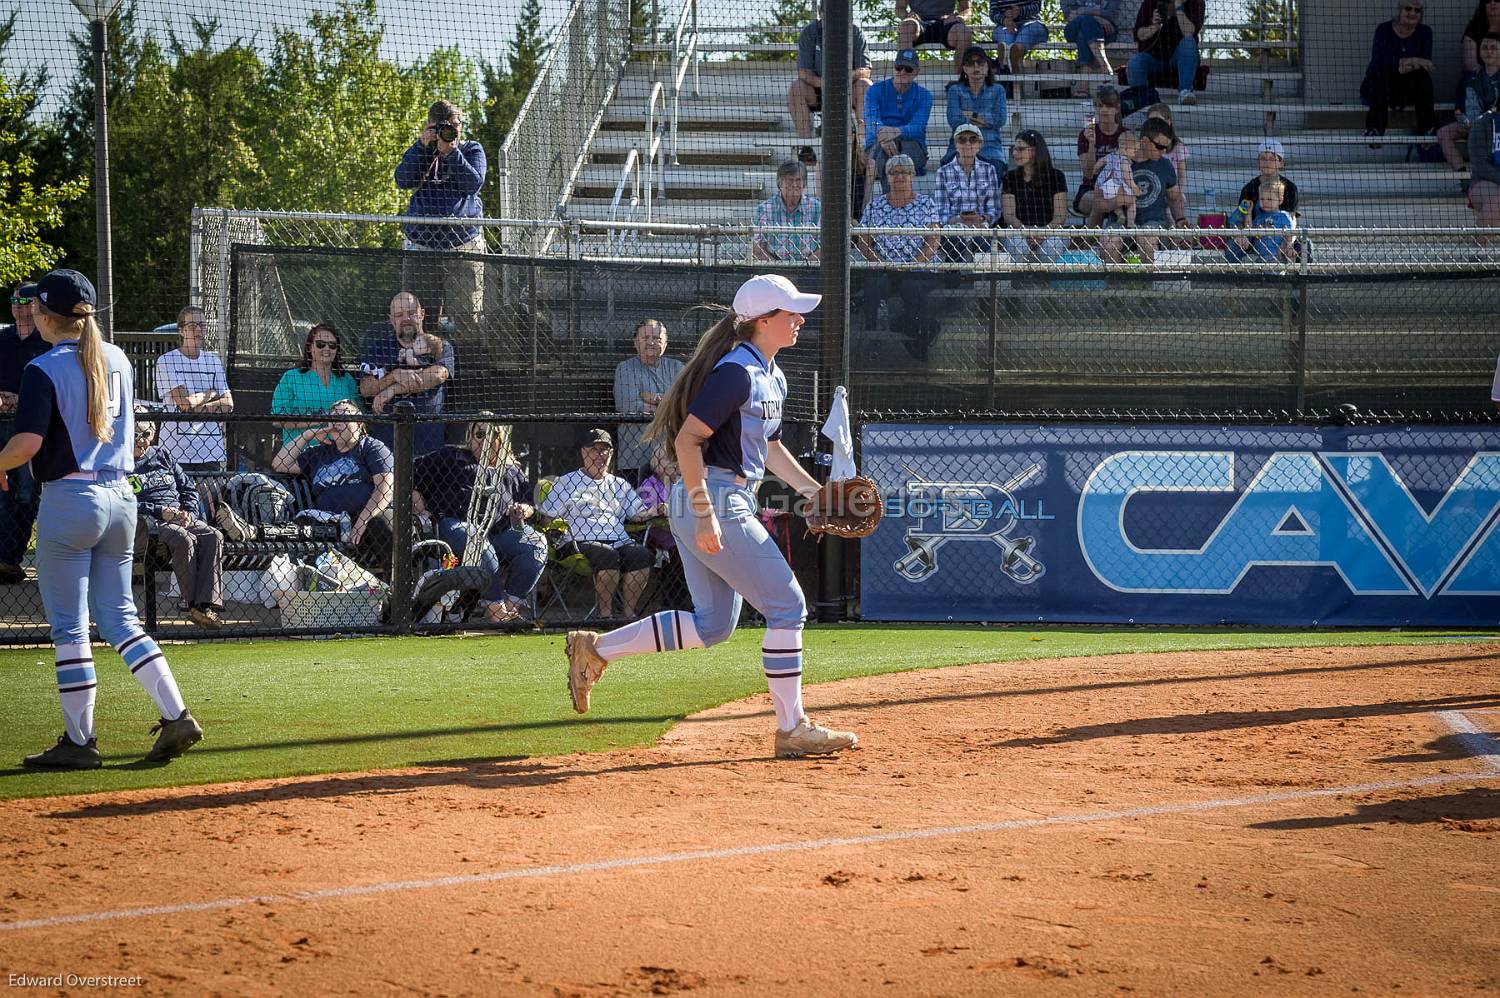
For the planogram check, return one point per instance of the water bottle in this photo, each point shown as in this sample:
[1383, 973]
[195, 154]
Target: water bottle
[1210, 199]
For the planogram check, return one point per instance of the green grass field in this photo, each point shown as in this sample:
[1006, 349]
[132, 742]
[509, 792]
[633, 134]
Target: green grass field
[284, 708]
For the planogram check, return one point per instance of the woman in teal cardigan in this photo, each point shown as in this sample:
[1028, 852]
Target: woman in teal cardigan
[317, 383]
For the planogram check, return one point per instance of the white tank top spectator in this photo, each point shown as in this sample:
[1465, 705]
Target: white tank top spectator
[192, 379]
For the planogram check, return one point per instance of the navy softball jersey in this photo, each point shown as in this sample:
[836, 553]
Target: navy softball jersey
[741, 401]
[54, 405]
[85, 533]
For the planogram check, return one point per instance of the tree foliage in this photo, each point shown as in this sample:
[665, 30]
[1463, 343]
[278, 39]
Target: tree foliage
[314, 119]
[31, 205]
[505, 85]
[343, 115]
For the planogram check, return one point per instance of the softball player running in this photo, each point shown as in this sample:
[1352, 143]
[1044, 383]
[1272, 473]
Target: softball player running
[723, 415]
[75, 424]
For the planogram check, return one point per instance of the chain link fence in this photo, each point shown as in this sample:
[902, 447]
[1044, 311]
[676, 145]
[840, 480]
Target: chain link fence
[1105, 319]
[346, 524]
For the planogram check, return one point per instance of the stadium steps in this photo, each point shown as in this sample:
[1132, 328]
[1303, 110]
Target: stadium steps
[731, 137]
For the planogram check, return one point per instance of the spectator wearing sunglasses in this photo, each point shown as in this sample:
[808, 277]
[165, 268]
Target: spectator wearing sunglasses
[968, 190]
[192, 379]
[1160, 205]
[317, 383]
[20, 343]
[896, 113]
[1400, 71]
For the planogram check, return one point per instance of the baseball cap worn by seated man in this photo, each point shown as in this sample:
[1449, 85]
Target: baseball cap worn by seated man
[596, 438]
[62, 291]
[968, 128]
[907, 57]
[767, 293]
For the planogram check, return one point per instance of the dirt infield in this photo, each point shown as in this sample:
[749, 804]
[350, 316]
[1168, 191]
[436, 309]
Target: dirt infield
[1311, 821]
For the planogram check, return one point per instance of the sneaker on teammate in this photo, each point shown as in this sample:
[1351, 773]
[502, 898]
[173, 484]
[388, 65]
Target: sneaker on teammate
[66, 754]
[176, 738]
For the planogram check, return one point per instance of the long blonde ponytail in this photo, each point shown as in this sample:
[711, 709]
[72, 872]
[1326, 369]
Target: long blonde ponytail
[95, 374]
[716, 341]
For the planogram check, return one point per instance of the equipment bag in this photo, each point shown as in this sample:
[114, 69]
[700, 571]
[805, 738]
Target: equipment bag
[259, 500]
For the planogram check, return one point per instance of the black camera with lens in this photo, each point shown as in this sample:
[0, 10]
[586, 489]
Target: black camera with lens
[447, 131]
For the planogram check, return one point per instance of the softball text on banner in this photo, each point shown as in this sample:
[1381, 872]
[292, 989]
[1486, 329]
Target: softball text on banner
[1175, 524]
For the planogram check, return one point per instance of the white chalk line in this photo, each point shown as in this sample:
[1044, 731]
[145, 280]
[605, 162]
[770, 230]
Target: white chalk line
[699, 855]
[1479, 743]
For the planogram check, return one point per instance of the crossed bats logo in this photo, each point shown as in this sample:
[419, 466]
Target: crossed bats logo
[968, 511]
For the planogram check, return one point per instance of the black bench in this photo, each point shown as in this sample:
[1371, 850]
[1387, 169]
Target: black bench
[247, 555]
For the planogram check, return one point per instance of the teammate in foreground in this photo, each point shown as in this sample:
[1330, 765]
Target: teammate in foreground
[723, 416]
[75, 424]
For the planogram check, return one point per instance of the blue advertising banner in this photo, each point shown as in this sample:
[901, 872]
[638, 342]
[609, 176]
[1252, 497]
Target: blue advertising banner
[1184, 524]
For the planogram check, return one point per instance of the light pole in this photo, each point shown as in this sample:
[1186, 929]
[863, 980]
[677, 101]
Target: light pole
[98, 13]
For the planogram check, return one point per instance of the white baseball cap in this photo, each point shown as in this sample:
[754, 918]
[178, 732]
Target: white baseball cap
[765, 293]
[1271, 145]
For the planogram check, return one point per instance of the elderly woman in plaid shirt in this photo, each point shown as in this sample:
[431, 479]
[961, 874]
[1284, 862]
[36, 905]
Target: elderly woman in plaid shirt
[791, 207]
[905, 291]
[967, 195]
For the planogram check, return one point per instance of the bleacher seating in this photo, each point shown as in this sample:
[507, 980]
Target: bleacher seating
[736, 129]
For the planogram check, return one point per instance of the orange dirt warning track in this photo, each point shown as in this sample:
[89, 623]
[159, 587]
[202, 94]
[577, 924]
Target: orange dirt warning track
[1295, 822]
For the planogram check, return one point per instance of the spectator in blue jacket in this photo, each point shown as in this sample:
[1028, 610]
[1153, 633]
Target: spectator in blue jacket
[444, 172]
[166, 498]
[976, 99]
[1400, 70]
[896, 113]
[1092, 24]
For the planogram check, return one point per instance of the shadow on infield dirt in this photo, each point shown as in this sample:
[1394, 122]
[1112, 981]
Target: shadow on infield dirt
[1460, 812]
[1235, 720]
[499, 773]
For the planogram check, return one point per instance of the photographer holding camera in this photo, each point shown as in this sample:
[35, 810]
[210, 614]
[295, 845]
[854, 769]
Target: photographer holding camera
[444, 172]
[1166, 32]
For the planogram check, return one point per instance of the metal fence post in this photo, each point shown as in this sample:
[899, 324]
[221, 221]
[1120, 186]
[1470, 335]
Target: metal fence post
[1302, 282]
[833, 234]
[401, 520]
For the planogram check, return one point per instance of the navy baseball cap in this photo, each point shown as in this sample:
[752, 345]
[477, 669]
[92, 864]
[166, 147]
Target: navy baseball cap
[907, 57]
[62, 291]
[596, 438]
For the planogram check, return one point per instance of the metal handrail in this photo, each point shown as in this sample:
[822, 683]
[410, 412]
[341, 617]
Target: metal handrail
[652, 145]
[643, 162]
[683, 55]
[561, 149]
[632, 160]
